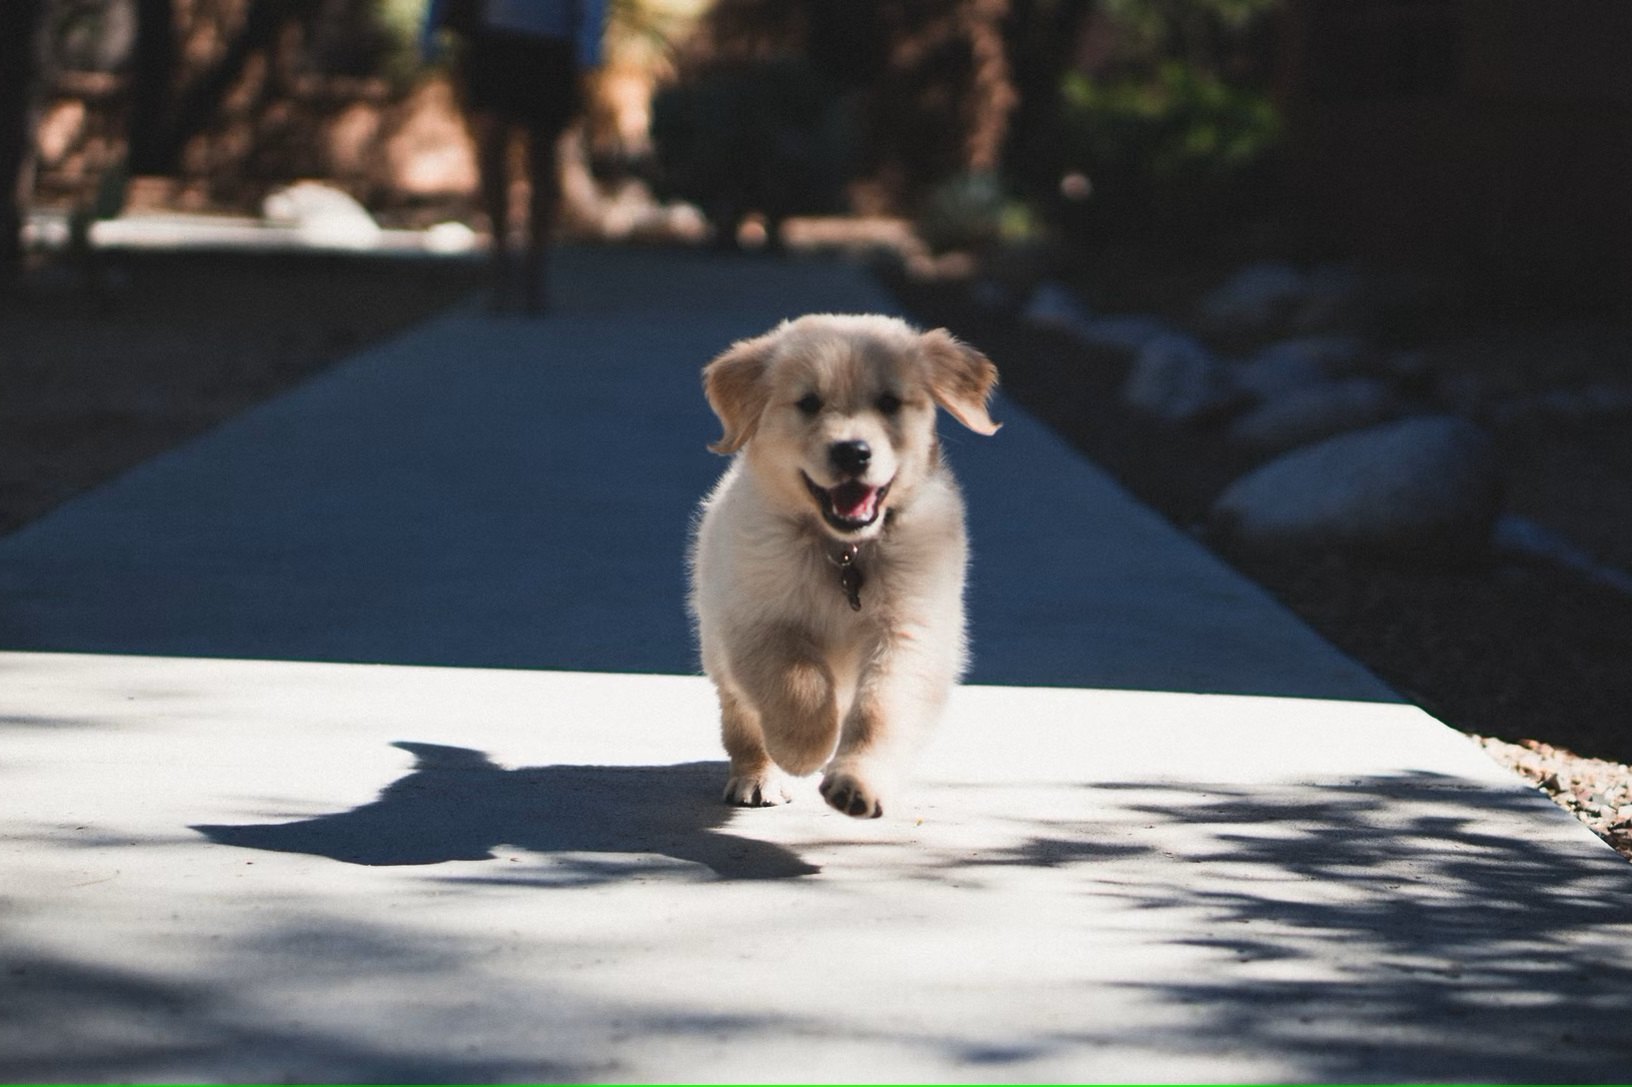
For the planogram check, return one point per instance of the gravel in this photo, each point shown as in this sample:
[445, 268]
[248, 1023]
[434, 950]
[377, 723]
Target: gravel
[1597, 792]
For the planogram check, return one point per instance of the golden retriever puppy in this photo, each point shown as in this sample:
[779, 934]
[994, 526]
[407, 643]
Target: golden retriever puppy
[828, 562]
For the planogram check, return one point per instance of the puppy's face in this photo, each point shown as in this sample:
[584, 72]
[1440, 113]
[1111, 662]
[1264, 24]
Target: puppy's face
[836, 414]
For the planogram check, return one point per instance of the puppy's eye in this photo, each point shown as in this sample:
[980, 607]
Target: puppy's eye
[810, 404]
[889, 403]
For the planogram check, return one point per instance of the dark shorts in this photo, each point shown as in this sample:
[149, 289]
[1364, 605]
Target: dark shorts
[531, 81]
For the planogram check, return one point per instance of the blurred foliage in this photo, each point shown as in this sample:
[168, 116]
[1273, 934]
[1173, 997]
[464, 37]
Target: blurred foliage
[1178, 136]
[89, 35]
[1201, 32]
[1169, 117]
[835, 100]
[975, 212]
[645, 33]
[1158, 110]
[397, 24]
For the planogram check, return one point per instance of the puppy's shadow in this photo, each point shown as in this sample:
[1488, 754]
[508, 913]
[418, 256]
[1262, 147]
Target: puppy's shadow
[458, 805]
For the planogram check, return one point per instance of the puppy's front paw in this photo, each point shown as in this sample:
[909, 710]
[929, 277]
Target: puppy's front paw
[759, 789]
[847, 790]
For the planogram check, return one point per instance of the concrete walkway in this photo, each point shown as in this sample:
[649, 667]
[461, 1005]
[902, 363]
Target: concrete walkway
[357, 741]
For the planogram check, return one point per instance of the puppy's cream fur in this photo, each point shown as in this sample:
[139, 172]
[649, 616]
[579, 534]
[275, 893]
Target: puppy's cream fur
[804, 679]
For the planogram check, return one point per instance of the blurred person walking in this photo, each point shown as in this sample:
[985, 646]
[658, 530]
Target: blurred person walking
[521, 75]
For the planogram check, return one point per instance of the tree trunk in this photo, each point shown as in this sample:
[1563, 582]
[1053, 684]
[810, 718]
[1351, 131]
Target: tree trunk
[17, 63]
[991, 94]
[166, 118]
[152, 73]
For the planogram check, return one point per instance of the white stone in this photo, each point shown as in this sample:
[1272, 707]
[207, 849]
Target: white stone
[449, 237]
[1176, 379]
[1416, 486]
[1313, 412]
[322, 216]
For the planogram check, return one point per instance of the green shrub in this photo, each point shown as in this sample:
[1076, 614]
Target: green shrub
[1167, 148]
[975, 212]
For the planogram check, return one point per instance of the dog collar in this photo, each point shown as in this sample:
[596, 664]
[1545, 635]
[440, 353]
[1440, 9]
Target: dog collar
[851, 578]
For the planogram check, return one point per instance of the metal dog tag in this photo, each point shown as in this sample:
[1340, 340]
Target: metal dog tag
[850, 578]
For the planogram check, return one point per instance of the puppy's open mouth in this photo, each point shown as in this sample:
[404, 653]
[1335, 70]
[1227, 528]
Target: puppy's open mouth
[851, 506]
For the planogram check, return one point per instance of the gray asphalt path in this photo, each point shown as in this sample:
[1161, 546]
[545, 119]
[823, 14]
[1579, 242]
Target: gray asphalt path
[514, 493]
[360, 740]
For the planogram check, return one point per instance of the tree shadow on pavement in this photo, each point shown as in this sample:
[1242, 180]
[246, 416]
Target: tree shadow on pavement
[1393, 927]
[69, 1021]
[458, 805]
[1411, 926]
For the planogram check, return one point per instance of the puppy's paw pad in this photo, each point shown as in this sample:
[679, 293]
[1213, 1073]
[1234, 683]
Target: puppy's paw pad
[849, 793]
[757, 790]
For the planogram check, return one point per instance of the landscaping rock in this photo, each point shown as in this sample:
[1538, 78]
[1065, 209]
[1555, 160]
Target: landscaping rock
[450, 237]
[1291, 364]
[1600, 400]
[1256, 298]
[1127, 332]
[322, 215]
[1466, 394]
[1054, 305]
[1332, 298]
[1523, 538]
[1177, 380]
[1411, 368]
[1427, 487]
[1313, 412]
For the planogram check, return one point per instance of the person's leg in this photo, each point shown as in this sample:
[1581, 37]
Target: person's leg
[544, 197]
[493, 169]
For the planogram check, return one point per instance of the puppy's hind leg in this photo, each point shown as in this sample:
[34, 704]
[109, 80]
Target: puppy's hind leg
[754, 780]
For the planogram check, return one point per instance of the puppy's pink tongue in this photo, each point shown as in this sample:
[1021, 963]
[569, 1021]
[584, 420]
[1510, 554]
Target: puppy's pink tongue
[854, 501]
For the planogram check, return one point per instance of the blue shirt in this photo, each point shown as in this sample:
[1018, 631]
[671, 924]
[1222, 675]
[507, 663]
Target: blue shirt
[582, 22]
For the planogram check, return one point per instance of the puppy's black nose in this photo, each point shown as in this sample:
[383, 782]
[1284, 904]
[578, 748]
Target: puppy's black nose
[850, 458]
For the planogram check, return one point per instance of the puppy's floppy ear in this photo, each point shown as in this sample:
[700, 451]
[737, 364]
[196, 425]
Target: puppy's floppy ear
[735, 386]
[961, 379]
